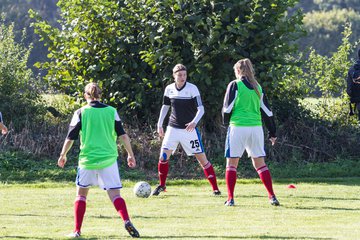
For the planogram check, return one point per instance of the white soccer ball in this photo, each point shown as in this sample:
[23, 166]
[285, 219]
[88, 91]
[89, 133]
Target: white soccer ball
[142, 189]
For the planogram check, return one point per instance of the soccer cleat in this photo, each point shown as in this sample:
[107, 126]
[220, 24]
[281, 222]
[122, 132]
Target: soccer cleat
[229, 203]
[216, 193]
[158, 189]
[131, 230]
[274, 201]
[74, 235]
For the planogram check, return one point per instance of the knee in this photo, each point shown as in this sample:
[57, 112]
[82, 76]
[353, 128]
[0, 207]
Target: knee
[163, 158]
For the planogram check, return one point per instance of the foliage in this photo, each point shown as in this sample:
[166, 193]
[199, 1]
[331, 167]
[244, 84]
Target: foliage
[130, 47]
[324, 29]
[336, 4]
[98, 43]
[328, 74]
[16, 11]
[19, 95]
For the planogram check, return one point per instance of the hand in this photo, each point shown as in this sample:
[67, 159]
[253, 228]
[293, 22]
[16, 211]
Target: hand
[4, 131]
[272, 140]
[62, 160]
[160, 131]
[190, 126]
[131, 161]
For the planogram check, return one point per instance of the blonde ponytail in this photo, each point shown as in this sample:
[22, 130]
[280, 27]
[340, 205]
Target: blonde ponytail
[244, 68]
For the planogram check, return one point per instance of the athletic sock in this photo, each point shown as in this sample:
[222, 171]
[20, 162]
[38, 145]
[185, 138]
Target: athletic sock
[265, 177]
[163, 167]
[230, 177]
[120, 207]
[79, 212]
[210, 175]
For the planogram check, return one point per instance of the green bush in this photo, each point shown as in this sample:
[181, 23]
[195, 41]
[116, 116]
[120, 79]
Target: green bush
[19, 98]
[130, 47]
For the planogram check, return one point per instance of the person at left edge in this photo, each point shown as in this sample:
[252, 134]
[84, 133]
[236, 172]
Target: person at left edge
[99, 126]
[3, 128]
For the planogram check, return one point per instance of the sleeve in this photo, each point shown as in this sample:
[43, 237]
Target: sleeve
[75, 126]
[163, 112]
[118, 125]
[1, 120]
[229, 101]
[267, 116]
[166, 99]
[349, 82]
[200, 108]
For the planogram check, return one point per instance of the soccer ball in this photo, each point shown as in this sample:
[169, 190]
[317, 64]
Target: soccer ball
[142, 189]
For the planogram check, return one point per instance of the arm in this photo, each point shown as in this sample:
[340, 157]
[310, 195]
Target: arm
[73, 134]
[66, 147]
[349, 82]
[268, 118]
[3, 128]
[125, 140]
[163, 112]
[229, 101]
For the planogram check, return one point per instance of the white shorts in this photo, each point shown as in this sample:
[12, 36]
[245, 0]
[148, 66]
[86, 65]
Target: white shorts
[190, 141]
[107, 178]
[239, 139]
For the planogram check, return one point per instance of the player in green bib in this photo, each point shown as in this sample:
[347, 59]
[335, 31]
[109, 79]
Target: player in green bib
[99, 126]
[245, 106]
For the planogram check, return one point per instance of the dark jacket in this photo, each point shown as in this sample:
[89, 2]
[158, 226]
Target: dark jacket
[349, 81]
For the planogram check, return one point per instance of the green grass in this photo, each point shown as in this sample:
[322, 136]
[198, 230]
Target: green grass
[316, 209]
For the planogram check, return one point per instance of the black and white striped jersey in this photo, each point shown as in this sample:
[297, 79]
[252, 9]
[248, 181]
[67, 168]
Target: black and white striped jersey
[184, 104]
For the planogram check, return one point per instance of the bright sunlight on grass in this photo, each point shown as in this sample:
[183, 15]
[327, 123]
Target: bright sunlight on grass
[187, 211]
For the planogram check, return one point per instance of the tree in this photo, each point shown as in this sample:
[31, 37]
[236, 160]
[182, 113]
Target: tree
[130, 47]
[18, 96]
[324, 29]
[16, 11]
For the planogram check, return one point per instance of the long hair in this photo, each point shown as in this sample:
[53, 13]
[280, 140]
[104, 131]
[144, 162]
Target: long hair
[93, 90]
[244, 68]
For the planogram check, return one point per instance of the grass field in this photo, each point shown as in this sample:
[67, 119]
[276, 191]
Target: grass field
[327, 209]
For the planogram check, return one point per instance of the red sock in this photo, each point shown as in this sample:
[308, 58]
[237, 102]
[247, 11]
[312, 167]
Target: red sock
[79, 212]
[230, 177]
[163, 167]
[210, 175]
[265, 177]
[120, 207]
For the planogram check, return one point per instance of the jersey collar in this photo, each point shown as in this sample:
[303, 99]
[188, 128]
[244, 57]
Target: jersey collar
[179, 89]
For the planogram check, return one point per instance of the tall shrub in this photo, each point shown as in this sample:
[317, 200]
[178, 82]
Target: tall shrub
[18, 94]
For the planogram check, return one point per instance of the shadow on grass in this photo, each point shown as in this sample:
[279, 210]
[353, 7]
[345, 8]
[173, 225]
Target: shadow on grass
[350, 181]
[328, 208]
[234, 237]
[330, 198]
